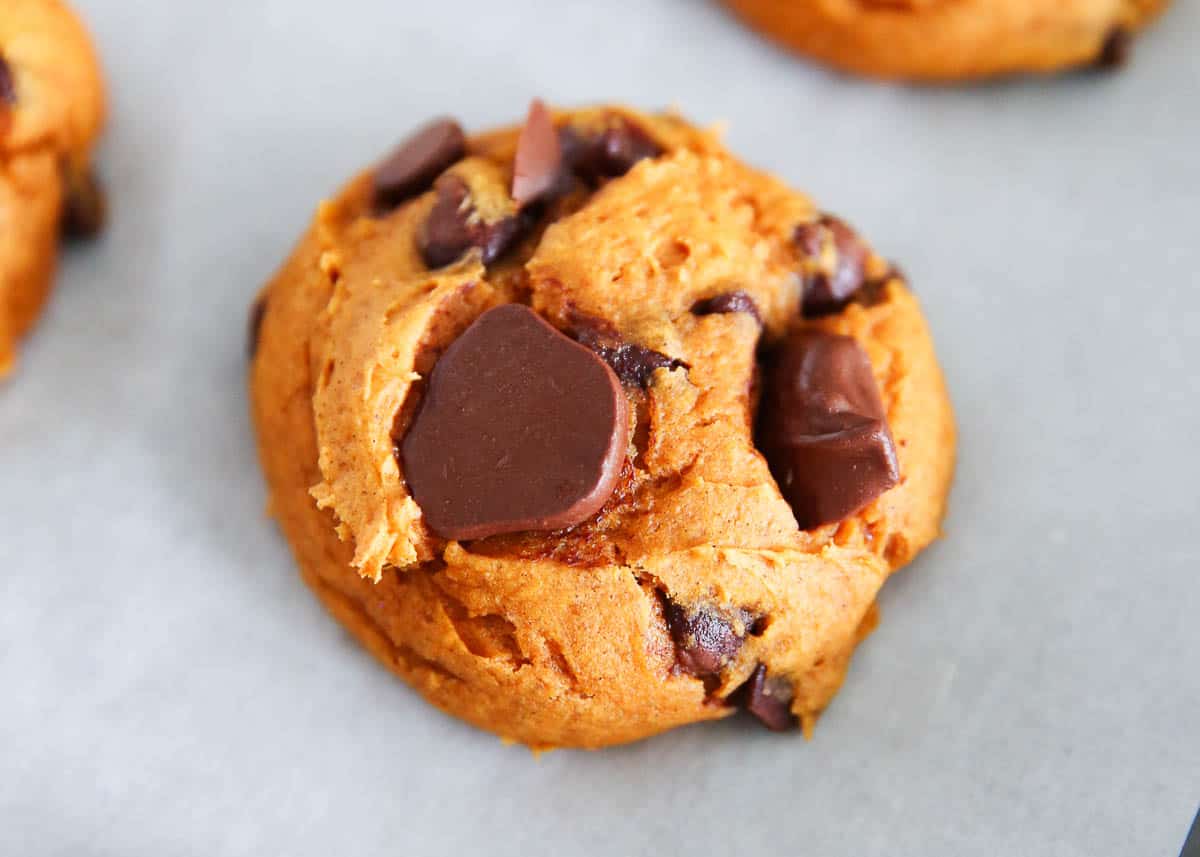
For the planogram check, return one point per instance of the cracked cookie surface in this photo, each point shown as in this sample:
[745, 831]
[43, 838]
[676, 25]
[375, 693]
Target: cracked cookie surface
[952, 39]
[692, 591]
[51, 112]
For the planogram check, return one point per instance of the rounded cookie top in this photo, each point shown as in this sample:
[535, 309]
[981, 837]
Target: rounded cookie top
[700, 553]
[952, 39]
[50, 84]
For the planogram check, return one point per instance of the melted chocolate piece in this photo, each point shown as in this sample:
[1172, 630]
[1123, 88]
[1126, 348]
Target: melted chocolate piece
[454, 227]
[8, 86]
[520, 429]
[85, 209]
[254, 325]
[412, 167]
[737, 301]
[705, 640]
[767, 699]
[822, 427]
[828, 290]
[538, 165]
[634, 364]
[1118, 44]
[611, 153]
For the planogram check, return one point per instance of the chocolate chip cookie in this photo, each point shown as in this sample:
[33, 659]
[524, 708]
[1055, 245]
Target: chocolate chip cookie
[953, 39]
[588, 430]
[51, 112]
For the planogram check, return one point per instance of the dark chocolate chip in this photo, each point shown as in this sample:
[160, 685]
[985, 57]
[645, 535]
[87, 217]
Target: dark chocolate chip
[85, 208]
[412, 167]
[737, 301]
[8, 86]
[454, 227]
[829, 289]
[1115, 51]
[767, 699]
[822, 427]
[634, 364]
[520, 429]
[254, 325]
[610, 153]
[705, 640]
[538, 165]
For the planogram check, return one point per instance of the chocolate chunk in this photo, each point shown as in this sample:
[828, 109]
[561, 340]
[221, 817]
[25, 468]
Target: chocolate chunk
[610, 153]
[85, 209]
[520, 429]
[634, 364]
[254, 325]
[538, 165]
[412, 167]
[705, 640]
[767, 699]
[737, 301]
[8, 86]
[834, 284]
[1118, 44]
[822, 427]
[454, 227]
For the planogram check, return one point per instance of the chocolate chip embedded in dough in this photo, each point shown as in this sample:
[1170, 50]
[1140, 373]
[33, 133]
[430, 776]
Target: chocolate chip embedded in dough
[454, 227]
[85, 207]
[606, 154]
[705, 639]
[634, 364]
[8, 86]
[538, 165]
[737, 301]
[520, 429]
[412, 167]
[837, 267]
[254, 325]
[822, 427]
[1115, 51]
[769, 700]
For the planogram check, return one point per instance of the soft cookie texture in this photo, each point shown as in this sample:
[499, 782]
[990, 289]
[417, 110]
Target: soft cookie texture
[51, 112]
[952, 39]
[594, 252]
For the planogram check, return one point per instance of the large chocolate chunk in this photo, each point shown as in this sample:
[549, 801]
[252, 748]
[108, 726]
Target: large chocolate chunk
[454, 227]
[634, 364]
[538, 165]
[412, 167]
[705, 639]
[1115, 51]
[822, 427]
[768, 699]
[841, 257]
[520, 429]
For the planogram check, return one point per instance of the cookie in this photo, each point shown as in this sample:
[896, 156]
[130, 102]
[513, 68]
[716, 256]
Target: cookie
[51, 112]
[588, 430]
[952, 39]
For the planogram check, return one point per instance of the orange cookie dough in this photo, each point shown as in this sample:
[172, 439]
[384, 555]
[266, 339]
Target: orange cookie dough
[51, 111]
[692, 591]
[952, 39]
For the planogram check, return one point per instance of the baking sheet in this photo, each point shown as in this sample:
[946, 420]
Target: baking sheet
[170, 687]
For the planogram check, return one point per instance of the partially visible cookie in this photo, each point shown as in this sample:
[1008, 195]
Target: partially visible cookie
[51, 112]
[588, 430]
[952, 39]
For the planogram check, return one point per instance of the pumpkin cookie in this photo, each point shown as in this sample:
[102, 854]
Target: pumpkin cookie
[952, 39]
[51, 111]
[588, 430]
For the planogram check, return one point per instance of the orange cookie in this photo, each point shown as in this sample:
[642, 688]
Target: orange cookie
[952, 39]
[588, 430]
[51, 111]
